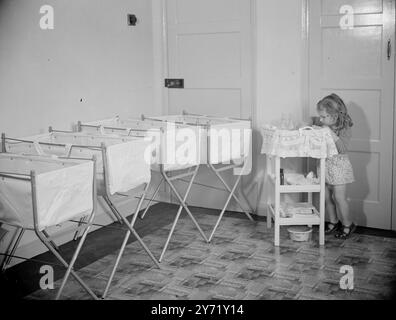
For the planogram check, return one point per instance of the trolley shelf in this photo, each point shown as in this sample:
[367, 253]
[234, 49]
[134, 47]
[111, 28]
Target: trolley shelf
[292, 188]
[297, 219]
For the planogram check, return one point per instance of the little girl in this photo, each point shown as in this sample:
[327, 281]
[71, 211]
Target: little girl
[333, 114]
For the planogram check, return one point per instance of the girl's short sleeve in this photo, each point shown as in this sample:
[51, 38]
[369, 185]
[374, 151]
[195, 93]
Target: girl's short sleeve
[344, 138]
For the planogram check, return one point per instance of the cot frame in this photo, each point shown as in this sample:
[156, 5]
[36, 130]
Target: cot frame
[45, 238]
[165, 177]
[220, 168]
[107, 198]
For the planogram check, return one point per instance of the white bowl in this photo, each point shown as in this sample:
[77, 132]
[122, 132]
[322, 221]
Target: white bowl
[300, 233]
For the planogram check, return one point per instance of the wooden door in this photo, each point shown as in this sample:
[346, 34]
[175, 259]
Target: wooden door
[351, 54]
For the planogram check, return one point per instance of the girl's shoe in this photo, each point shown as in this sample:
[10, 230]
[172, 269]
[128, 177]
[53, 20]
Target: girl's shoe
[346, 231]
[333, 227]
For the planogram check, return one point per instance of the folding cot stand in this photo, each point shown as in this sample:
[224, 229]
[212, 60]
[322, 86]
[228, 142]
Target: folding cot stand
[127, 128]
[39, 225]
[204, 121]
[231, 192]
[107, 194]
[18, 234]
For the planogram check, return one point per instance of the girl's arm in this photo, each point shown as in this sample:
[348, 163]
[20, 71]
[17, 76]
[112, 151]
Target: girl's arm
[342, 140]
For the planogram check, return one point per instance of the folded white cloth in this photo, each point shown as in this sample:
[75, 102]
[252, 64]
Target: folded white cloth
[299, 179]
[304, 142]
[288, 210]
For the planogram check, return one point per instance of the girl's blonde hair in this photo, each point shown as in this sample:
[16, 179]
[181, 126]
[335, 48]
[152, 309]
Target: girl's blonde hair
[334, 105]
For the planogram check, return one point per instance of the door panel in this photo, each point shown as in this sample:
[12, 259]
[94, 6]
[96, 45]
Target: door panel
[193, 11]
[209, 46]
[207, 101]
[209, 55]
[354, 64]
[332, 7]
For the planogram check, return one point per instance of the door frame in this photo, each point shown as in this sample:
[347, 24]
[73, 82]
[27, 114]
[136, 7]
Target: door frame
[160, 65]
[305, 95]
[393, 213]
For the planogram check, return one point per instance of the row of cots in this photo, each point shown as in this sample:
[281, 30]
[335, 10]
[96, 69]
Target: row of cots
[52, 178]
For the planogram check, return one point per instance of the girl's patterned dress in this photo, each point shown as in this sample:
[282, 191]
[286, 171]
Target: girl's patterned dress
[338, 167]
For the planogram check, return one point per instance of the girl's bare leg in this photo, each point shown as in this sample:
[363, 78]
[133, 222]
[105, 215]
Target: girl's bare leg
[339, 192]
[330, 205]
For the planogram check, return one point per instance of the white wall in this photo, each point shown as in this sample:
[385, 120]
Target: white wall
[280, 72]
[91, 66]
[279, 59]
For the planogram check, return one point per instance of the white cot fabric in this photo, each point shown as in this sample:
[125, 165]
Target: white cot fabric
[64, 190]
[229, 140]
[176, 147]
[125, 156]
[127, 167]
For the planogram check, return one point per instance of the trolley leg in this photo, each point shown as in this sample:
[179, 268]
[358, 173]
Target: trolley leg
[277, 233]
[310, 201]
[277, 202]
[322, 203]
[268, 172]
[269, 218]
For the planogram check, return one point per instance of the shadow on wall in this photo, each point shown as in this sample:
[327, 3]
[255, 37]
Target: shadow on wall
[250, 183]
[358, 191]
